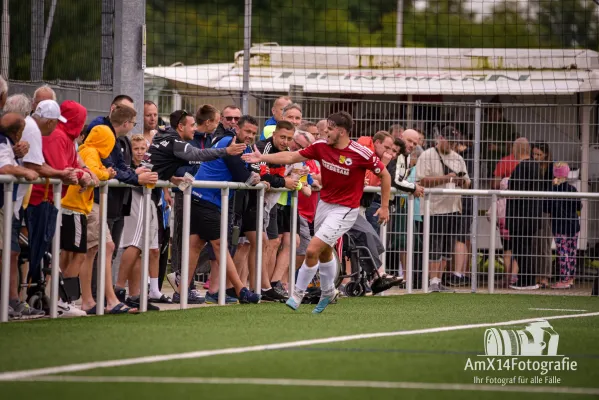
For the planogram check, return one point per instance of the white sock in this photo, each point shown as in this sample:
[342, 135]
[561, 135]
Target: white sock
[434, 280]
[154, 291]
[327, 276]
[458, 274]
[304, 277]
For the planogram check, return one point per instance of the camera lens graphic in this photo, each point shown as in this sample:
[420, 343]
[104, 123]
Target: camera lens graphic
[502, 342]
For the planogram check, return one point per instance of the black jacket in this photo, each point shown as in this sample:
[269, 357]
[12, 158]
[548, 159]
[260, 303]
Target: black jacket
[523, 214]
[168, 152]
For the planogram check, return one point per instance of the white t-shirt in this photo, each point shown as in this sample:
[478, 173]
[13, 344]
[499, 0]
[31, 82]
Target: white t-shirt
[429, 165]
[33, 136]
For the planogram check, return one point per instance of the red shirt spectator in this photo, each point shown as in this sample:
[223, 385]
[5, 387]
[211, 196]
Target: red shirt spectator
[307, 205]
[506, 166]
[59, 147]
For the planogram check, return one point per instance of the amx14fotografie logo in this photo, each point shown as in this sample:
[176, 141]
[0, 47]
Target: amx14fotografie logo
[532, 349]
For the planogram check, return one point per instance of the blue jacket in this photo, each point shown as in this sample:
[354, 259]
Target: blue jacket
[270, 121]
[226, 169]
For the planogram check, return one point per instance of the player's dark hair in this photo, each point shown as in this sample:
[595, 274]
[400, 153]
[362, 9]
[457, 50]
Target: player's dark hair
[285, 125]
[205, 113]
[246, 119]
[380, 136]
[342, 119]
[120, 98]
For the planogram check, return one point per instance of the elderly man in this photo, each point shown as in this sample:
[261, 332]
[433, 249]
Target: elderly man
[322, 130]
[277, 115]
[18, 103]
[42, 93]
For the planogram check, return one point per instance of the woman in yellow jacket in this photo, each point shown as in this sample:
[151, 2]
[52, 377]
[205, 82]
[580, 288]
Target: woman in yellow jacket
[81, 225]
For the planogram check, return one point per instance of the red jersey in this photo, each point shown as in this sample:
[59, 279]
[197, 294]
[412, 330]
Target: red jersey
[506, 166]
[343, 171]
[306, 206]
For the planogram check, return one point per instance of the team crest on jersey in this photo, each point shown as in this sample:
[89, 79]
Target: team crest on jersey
[345, 160]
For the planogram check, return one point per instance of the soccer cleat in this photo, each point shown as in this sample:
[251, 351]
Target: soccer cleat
[246, 296]
[212, 298]
[291, 303]
[325, 301]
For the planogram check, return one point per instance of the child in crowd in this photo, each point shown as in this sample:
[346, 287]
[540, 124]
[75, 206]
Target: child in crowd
[77, 223]
[565, 225]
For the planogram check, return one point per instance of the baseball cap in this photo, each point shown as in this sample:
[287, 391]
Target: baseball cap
[49, 109]
[450, 133]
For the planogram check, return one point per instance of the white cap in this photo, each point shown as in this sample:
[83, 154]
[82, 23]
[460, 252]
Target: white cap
[49, 109]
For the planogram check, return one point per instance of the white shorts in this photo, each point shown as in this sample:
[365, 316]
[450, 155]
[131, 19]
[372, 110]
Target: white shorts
[332, 221]
[133, 233]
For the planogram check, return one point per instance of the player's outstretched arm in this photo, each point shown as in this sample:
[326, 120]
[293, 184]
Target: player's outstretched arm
[383, 211]
[284, 157]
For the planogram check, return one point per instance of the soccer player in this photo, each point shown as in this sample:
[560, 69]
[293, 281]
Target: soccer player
[343, 164]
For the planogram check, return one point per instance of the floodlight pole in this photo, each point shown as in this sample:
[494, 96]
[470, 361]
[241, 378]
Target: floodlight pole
[399, 25]
[247, 43]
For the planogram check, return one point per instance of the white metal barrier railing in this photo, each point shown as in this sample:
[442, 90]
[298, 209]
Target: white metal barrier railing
[225, 188]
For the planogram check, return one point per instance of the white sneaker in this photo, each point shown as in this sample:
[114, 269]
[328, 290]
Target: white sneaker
[533, 287]
[66, 310]
[173, 280]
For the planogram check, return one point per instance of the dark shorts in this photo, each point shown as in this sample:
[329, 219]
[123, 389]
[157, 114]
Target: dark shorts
[205, 220]
[284, 219]
[248, 220]
[73, 233]
[444, 233]
[463, 227]
[272, 231]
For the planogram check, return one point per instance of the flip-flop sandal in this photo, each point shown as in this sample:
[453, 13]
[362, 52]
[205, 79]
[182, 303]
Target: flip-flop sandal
[121, 309]
[164, 299]
[91, 311]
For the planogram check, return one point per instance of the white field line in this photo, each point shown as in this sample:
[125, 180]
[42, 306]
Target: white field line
[317, 383]
[555, 309]
[16, 375]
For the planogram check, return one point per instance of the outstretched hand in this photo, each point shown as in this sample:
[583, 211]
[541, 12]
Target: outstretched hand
[235, 148]
[252, 158]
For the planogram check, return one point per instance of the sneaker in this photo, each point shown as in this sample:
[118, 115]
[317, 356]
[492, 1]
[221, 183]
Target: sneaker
[455, 280]
[207, 284]
[385, 282]
[231, 293]
[246, 296]
[532, 287]
[273, 295]
[192, 298]
[12, 314]
[28, 312]
[174, 279]
[133, 302]
[325, 301]
[121, 294]
[212, 298]
[67, 310]
[439, 288]
[279, 288]
[562, 285]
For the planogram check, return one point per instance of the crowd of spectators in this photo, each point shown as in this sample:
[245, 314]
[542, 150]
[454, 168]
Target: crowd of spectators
[40, 138]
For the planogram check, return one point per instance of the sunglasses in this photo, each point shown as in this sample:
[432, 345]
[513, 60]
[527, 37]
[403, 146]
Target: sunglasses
[232, 118]
[184, 114]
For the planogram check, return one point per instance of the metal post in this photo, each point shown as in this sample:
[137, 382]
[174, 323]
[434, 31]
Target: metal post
[37, 39]
[399, 25]
[224, 248]
[476, 186]
[55, 252]
[5, 42]
[585, 165]
[292, 239]
[106, 66]
[259, 239]
[184, 285]
[410, 245]
[145, 251]
[101, 277]
[247, 43]
[48, 30]
[8, 211]
[383, 236]
[492, 238]
[426, 229]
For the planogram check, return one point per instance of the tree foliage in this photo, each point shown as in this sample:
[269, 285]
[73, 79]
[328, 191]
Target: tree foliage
[211, 31]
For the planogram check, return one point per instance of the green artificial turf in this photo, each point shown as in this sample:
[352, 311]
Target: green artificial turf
[433, 357]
